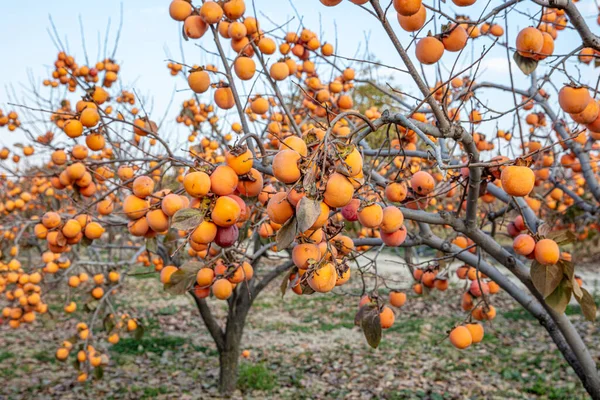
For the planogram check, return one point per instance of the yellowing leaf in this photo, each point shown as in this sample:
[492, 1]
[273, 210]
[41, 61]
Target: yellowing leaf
[545, 278]
[183, 279]
[286, 234]
[307, 213]
[588, 307]
[560, 297]
[187, 218]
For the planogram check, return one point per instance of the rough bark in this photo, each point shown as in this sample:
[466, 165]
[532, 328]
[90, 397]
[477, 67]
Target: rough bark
[239, 305]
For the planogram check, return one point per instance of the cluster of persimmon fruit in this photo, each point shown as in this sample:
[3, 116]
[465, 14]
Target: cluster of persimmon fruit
[87, 357]
[10, 120]
[532, 42]
[22, 290]
[67, 71]
[246, 39]
[22, 287]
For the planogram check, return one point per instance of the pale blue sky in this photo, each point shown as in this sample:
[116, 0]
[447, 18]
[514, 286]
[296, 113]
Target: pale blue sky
[149, 36]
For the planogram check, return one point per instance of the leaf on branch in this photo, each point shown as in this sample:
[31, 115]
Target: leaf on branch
[98, 372]
[285, 282]
[544, 229]
[171, 236]
[91, 305]
[560, 297]
[546, 278]
[61, 240]
[568, 269]
[526, 65]
[309, 179]
[307, 213]
[139, 332]
[192, 267]
[183, 279]
[187, 218]
[73, 339]
[243, 232]
[108, 323]
[370, 325]
[562, 237]
[362, 311]
[286, 234]
[307, 290]
[152, 245]
[586, 301]
[577, 291]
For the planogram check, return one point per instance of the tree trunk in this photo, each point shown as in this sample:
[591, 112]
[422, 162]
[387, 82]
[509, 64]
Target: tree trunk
[229, 355]
[228, 342]
[228, 364]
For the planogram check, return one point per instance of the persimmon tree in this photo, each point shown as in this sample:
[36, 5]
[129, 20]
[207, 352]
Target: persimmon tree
[283, 177]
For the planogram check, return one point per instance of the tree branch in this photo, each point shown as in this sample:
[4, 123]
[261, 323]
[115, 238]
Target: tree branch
[211, 323]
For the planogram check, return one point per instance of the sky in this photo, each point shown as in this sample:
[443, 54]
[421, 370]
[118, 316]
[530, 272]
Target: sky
[149, 37]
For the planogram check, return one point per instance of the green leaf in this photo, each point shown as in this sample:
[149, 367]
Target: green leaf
[526, 65]
[192, 267]
[152, 245]
[307, 213]
[98, 372]
[171, 236]
[183, 279]
[243, 232]
[172, 186]
[139, 332]
[371, 326]
[91, 305]
[73, 339]
[108, 323]
[187, 218]
[588, 307]
[286, 234]
[545, 277]
[560, 297]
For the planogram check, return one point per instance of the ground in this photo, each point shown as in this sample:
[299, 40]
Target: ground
[301, 347]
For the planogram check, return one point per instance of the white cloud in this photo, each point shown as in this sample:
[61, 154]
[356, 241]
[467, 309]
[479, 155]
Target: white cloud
[496, 65]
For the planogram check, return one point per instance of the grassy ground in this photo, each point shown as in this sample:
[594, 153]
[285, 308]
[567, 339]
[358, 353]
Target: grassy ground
[302, 347]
